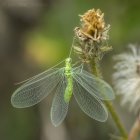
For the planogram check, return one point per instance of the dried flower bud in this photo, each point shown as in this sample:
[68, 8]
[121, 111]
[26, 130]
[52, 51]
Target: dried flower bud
[91, 36]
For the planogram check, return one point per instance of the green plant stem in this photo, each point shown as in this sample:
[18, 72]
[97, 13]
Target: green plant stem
[116, 119]
[95, 67]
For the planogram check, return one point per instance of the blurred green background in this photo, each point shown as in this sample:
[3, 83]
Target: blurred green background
[37, 34]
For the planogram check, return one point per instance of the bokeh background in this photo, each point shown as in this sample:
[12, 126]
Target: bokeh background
[37, 34]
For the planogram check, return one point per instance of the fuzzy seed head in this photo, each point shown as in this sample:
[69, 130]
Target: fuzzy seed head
[127, 77]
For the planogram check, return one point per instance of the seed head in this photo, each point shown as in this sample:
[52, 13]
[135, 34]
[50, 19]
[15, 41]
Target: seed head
[127, 77]
[92, 36]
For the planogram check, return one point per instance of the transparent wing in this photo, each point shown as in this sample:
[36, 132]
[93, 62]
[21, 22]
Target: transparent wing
[95, 86]
[92, 106]
[59, 106]
[40, 76]
[37, 88]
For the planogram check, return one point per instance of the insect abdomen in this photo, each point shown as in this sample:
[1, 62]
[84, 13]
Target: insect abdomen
[69, 89]
[69, 79]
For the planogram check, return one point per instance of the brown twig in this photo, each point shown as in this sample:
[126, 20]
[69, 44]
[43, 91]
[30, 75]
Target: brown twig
[135, 130]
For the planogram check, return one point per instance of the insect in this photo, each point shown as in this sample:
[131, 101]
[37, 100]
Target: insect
[87, 89]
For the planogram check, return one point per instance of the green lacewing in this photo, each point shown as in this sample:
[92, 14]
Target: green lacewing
[88, 90]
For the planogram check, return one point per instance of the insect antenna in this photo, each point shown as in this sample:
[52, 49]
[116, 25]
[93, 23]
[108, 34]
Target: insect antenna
[72, 46]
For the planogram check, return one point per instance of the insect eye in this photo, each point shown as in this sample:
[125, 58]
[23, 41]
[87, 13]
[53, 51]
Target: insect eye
[69, 60]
